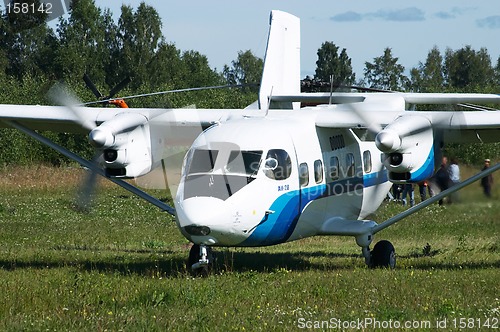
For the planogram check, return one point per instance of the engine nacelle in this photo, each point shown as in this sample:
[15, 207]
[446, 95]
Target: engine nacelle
[130, 155]
[125, 142]
[407, 146]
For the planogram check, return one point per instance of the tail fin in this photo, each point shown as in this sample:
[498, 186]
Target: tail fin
[281, 75]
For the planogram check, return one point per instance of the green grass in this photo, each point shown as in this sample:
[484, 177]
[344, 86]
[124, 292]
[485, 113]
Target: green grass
[122, 267]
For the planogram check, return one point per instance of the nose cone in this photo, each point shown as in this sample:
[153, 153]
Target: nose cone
[387, 141]
[99, 138]
[207, 220]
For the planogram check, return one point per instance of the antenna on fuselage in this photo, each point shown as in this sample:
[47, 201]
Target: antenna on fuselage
[331, 90]
[269, 101]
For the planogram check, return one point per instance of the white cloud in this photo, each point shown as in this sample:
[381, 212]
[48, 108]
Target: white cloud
[490, 22]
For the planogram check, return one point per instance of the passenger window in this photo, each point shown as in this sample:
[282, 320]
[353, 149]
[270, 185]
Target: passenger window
[278, 165]
[318, 171]
[334, 168]
[303, 174]
[350, 165]
[367, 161]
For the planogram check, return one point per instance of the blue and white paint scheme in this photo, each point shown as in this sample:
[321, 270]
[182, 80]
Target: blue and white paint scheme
[262, 207]
[274, 171]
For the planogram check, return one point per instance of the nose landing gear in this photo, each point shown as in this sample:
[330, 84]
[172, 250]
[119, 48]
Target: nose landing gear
[200, 261]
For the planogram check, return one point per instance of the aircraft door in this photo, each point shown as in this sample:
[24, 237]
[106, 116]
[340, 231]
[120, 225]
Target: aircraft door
[278, 197]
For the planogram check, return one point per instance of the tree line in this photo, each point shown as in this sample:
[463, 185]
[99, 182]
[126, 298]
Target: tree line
[463, 70]
[33, 56]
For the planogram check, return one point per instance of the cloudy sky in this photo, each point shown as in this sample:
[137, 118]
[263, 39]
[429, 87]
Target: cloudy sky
[221, 28]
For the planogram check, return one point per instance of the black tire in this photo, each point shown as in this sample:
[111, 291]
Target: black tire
[384, 255]
[194, 257]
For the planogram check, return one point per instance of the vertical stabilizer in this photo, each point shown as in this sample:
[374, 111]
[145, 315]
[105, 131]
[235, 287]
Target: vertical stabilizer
[281, 73]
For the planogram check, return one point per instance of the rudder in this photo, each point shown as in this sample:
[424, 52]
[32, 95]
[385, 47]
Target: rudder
[281, 75]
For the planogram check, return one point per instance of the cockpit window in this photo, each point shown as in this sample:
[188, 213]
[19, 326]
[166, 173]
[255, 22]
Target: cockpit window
[220, 173]
[244, 162]
[203, 161]
[281, 164]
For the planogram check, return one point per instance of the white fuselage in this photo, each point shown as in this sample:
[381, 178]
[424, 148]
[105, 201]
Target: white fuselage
[280, 179]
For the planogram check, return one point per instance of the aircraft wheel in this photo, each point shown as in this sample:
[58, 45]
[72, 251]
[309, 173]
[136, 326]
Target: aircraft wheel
[198, 266]
[383, 255]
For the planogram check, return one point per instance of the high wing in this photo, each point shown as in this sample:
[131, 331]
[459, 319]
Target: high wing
[481, 126]
[63, 119]
[281, 74]
[411, 141]
[408, 97]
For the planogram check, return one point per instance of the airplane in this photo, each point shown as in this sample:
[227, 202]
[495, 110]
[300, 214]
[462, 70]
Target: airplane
[273, 172]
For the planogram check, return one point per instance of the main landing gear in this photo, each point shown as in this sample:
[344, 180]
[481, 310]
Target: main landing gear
[383, 255]
[201, 260]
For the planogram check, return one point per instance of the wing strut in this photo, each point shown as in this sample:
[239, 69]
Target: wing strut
[434, 199]
[42, 139]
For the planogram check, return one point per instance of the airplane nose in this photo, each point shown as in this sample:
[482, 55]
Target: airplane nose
[203, 217]
[203, 210]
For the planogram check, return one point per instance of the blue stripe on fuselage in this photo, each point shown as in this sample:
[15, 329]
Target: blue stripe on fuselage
[279, 226]
[426, 171]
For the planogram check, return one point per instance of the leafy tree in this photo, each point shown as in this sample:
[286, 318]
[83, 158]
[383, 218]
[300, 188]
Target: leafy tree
[197, 71]
[168, 68]
[468, 70]
[429, 77]
[385, 73]
[246, 69]
[331, 63]
[82, 42]
[139, 38]
[497, 74]
[26, 42]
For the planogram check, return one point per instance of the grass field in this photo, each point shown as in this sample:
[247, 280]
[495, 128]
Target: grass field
[122, 267]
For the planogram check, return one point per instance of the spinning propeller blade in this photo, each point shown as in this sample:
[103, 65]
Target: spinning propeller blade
[105, 99]
[371, 124]
[92, 86]
[60, 95]
[119, 87]
[87, 190]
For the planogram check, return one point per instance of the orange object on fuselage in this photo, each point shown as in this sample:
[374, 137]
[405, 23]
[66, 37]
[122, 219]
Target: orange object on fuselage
[119, 103]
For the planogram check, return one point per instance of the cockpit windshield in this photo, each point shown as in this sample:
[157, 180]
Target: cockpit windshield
[237, 162]
[220, 173]
[203, 161]
[244, 162]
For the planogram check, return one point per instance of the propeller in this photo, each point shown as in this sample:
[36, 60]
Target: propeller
[92, 86]
[105, 99]
[390, 138]
[60, 95]
[88, 189]
[366, 119]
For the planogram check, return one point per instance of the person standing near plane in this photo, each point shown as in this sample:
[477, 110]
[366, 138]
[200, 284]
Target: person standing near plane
[487, 181]
[423, 188]
[454, 173]
[408, 191]
[442, 177]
